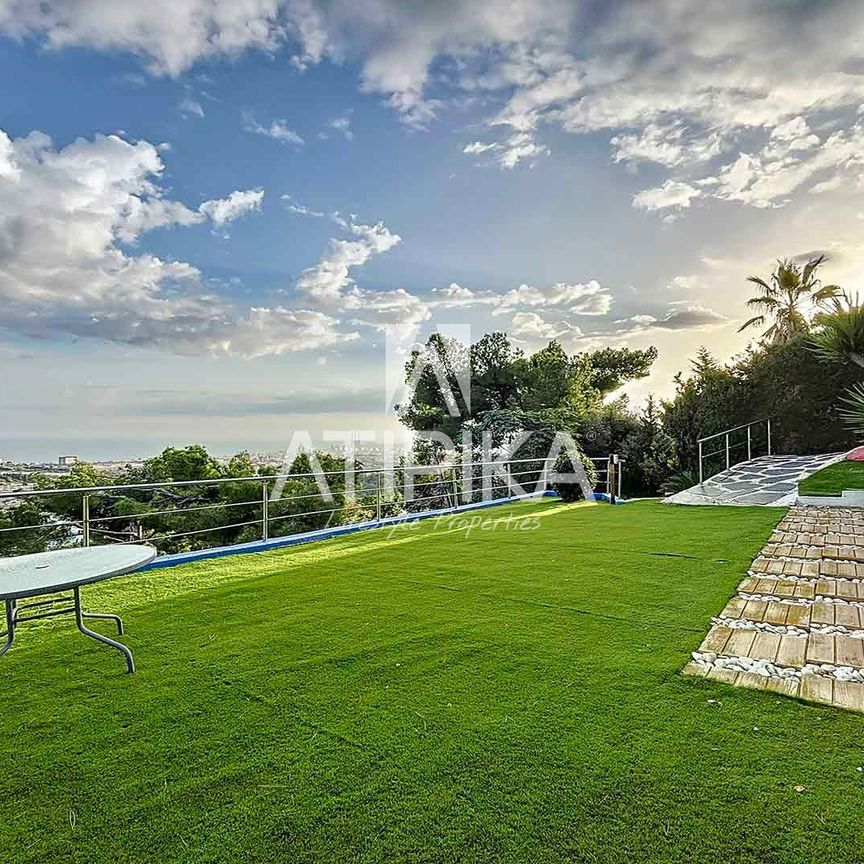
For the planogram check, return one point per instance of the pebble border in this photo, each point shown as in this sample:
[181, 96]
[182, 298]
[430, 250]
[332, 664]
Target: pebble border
[709, 660]
[801, 601]
[785, 577]
[787, 629]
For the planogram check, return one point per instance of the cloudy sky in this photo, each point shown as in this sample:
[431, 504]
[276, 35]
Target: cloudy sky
[214, 214]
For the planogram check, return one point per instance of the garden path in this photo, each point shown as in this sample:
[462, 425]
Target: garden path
[796, 623]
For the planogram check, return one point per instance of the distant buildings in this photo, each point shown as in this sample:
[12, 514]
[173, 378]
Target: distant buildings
[67, 461]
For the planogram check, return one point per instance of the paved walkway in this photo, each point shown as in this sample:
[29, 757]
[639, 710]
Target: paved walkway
[767, 480]
[796, 623]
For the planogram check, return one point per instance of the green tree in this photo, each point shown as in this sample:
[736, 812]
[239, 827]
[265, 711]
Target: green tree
[649, 452]
[610, 368]
[68, 505]
[550, 378]
[785, 298]
[708, 400]
[428, 409]
[24, 516]
[494, 381]
[181, 465]
[787, 382]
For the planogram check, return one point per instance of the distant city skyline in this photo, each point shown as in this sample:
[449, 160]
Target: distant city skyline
[210, 221]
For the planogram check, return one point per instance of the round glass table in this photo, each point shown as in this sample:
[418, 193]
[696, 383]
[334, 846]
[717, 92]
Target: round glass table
[24, 577]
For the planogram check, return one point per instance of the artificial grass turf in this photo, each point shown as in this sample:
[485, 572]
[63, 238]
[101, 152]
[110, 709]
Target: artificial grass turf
[833, 479]
[508, 696]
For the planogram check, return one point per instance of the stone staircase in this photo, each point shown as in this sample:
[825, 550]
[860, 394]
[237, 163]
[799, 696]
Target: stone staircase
[770, 481]
[796, 623]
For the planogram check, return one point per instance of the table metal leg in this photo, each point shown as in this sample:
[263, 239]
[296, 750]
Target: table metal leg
[79, 620]
[10, 627]
[107, 617]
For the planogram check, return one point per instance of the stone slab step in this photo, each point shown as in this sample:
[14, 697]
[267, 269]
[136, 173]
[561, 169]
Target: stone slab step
[775, 559]
[823, 586]
[786, 649]
[779, 559]
[818, 539]
[811, 688]
[796, 615]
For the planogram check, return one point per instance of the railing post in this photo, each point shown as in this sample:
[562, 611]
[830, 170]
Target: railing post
[749, 453]
[455, 490]
[701, 478]
[265, 512]
[85, 518]
[727, 450]
[768, 421]
[619, 473]
[378, 496]
[610, 477]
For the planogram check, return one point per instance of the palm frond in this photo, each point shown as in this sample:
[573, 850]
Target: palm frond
[764, 302]
[827, 292]
[852, 413]
[752, 322]
[810, 268]
[756, 280]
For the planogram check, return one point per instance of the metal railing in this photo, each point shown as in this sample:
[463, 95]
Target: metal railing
[143, 512]
[729, 446]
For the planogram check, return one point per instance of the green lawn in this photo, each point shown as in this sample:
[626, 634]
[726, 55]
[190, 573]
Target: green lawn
[507, 696]
[833, 479]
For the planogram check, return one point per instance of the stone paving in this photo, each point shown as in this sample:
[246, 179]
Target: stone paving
[796, 624]
[767, 480]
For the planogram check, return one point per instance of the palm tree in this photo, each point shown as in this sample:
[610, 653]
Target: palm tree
[839, 338]
[839, 334]
[784, 300]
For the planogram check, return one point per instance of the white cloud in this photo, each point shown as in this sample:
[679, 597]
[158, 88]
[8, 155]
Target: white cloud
[666, 145]
[143, 214]
[189, 106]
[477, 147]
[302, 210]
[531, 326]
[221, 211]
[331, 285]
[171, 36]
[64, 214]
[277, 330]
[330, 279]
[672, 194]
[340, 125]
[790, 160]
[675, 82]
[278, 130]
[8, 169]
[588, 298]
[518, 147]
[455, 296]
[681, 315]
[397, 312]
[652, 144]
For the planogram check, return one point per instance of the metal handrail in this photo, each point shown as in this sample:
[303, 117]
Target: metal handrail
[457, 483]
[734, 429]
[258, 478]
[728, 448]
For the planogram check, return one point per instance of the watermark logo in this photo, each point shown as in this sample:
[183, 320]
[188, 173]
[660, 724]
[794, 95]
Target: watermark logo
[442, 363]
[429, 382]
